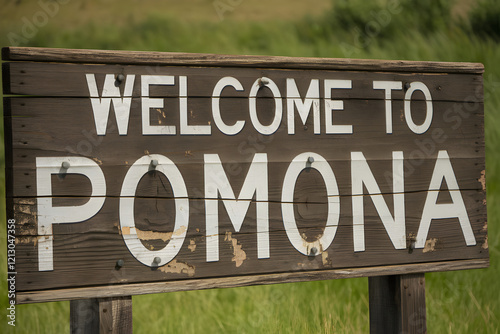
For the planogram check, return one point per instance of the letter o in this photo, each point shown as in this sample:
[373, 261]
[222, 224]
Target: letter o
[418, 129]
[278, 110]
[127, 221]
[299, 163]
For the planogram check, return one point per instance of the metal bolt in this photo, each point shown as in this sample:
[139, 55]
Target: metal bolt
[154, 163]
[310, 160]
[314, 250]
[120, 77]
[411, 247]
[264, 81]
[120, 263]
[407, 85]
[65, 165]
[156, 260]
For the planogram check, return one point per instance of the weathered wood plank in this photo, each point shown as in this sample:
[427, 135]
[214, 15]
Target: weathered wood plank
[31, 139]
[69, 80]
[115, 315]
[239, 281]
[84, 316]
[198, 59]
[397, 304]
[101, 315]
[86, 253]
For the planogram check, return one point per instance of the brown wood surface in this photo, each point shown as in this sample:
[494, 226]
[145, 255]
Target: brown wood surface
[68, 80]
[197, 59]
[32, 138]
[101, 315]
[84, 316]
[115, 315]
[56, 120]
[397, 304]
[86, 253]
[239, 281]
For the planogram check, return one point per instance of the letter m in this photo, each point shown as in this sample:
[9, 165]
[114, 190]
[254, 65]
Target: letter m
[216, 183]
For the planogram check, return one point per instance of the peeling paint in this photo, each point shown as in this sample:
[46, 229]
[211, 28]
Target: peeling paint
[192, 245]
[146, 152]
[27, 240]
[177, 267]
[152, 235]
[188, 153]
[482, 179]
[324, 258]
[99, 162]
[485, 244]
[238, 252]
[485, 227]
[28, 201]
[484, 201]
[430, 245]
[24, 208]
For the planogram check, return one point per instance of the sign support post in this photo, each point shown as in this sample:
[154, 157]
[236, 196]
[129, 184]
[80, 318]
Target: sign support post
[397, 304]
[101, 315]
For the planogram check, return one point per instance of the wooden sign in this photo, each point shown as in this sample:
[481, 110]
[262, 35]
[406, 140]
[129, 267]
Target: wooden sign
[135, 172]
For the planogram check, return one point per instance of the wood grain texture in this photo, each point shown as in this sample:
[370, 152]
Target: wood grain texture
[101, 315]
[115, 315]
[198, 59]
[31, 138]
[86, 253]
[397, 304]
[84, 316]
[239, 281]
[68, 80]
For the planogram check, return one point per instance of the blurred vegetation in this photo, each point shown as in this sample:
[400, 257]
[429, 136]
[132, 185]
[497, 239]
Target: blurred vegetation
[485, 19]
[457, 302]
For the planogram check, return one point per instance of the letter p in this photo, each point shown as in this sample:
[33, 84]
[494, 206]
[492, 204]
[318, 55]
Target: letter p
[49, 215]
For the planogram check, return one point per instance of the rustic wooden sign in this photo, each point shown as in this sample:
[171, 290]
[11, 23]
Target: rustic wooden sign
[135, 172]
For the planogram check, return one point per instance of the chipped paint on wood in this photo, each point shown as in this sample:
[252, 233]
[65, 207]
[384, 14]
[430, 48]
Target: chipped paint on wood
[485, 244]
[99, 162]
[238, 252]
[482, 179]
[26, 240]
[152, 235]
[326, 261]
[430, 245]
[178, 267]
[192, 245]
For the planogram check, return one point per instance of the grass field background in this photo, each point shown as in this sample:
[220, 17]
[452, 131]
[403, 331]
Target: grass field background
[442, 30]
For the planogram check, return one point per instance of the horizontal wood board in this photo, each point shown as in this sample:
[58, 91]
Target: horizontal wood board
[48, 113]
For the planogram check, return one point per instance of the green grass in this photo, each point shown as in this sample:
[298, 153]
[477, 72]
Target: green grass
[457, 302]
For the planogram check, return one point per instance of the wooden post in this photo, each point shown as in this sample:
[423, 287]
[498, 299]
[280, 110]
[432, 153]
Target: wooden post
[103, 315]
[397, 304]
